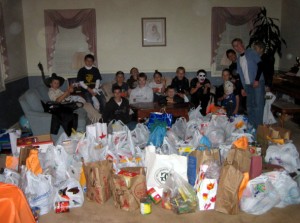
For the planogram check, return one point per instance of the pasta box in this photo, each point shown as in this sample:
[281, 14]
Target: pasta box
[40, 142]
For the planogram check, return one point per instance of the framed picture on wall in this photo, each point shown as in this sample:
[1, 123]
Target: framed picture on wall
[154, 32]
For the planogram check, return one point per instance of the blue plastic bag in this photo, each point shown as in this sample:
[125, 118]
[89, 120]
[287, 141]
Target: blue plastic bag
[205, 142]
[161, 118]
[157, 135]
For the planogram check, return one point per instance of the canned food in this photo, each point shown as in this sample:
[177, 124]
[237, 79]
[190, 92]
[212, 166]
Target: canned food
[154, 196]
[145, 206]
[62, 206]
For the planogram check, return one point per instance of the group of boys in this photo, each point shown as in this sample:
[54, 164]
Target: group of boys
[246, 71]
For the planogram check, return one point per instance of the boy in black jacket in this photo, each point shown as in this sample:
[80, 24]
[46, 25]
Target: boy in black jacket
[117, 107]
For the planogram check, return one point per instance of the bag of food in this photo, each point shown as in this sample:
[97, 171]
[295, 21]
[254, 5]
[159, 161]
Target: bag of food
[128, 187]
[207, 184]
[196, 159]
[70, 191]
[39, 191]
[178, 195]
[98, 176]
[259, 196]
[158, 167]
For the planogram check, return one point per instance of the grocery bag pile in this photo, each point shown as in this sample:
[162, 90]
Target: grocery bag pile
[205, 163]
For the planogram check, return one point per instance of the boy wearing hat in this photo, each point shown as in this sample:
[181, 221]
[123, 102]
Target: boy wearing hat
[56, 94]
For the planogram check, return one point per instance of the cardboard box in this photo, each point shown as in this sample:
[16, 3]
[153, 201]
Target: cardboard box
[264, 133]
[41, 142]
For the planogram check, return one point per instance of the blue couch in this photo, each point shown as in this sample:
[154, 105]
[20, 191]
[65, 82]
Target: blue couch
[40, 121]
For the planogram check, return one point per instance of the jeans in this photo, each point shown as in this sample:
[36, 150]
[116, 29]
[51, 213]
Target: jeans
[101, 99]
[255, 103]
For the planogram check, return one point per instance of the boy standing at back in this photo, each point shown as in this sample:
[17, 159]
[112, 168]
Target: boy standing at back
[89, 79]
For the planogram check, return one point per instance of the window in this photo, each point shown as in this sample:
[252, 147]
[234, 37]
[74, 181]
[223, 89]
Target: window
[70, 48]
[230, 33]
[239, 18]
[69, 19]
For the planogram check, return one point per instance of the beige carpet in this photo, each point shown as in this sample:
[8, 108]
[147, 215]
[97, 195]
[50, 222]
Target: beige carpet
[92, 212]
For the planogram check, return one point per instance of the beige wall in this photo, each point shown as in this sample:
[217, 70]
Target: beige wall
[119, 31]
[15, 40]
[290, 29]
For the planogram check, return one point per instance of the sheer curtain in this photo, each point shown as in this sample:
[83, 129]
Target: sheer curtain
[232, 15]
[69, 18]
[3, 52]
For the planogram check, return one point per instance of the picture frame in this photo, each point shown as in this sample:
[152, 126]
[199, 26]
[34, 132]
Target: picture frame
[154, 32]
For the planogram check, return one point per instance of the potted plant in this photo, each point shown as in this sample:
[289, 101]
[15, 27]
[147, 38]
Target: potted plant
[265, 30]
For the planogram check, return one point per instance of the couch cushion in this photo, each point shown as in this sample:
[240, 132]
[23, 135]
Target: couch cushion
[34, 101]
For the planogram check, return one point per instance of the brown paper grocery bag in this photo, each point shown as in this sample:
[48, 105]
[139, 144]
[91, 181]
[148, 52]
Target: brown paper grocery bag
[197, 158]
[98, 176]
[128, 192]
[227, 194]
[240, 158]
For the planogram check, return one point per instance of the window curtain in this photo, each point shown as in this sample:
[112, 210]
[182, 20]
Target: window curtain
[3, 52]
[69, 19]
[232, 15]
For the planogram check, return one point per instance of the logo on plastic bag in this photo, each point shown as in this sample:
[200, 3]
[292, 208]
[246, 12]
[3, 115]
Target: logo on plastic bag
[161, 175]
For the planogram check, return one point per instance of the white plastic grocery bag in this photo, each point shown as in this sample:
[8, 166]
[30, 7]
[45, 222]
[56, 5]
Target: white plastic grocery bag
[259, 196]
[285, 155]
[39, 191]
[268, 117]
[287, 188]
[159, 166]
[70, 191]
[98, 131]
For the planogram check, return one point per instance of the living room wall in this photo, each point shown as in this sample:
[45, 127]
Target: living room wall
[119, 32]
[290, 29]
[17, 80]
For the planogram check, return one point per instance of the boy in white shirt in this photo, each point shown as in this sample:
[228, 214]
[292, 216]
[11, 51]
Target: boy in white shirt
[141, 93]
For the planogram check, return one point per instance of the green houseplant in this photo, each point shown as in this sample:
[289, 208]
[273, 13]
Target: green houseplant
[265, 30]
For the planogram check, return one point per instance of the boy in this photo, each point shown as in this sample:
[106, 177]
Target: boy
[249, 67]
[229, 100]
[57, 95]
[141, 93]
[118, 108]
[267, 64]
[181, 83]
[171, 97]
[236, 80]
[133, 80]
[200, 90]
[89, 79]
[120, 82]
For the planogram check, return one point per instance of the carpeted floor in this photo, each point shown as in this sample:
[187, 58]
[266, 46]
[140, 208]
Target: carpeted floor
[92, 212]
